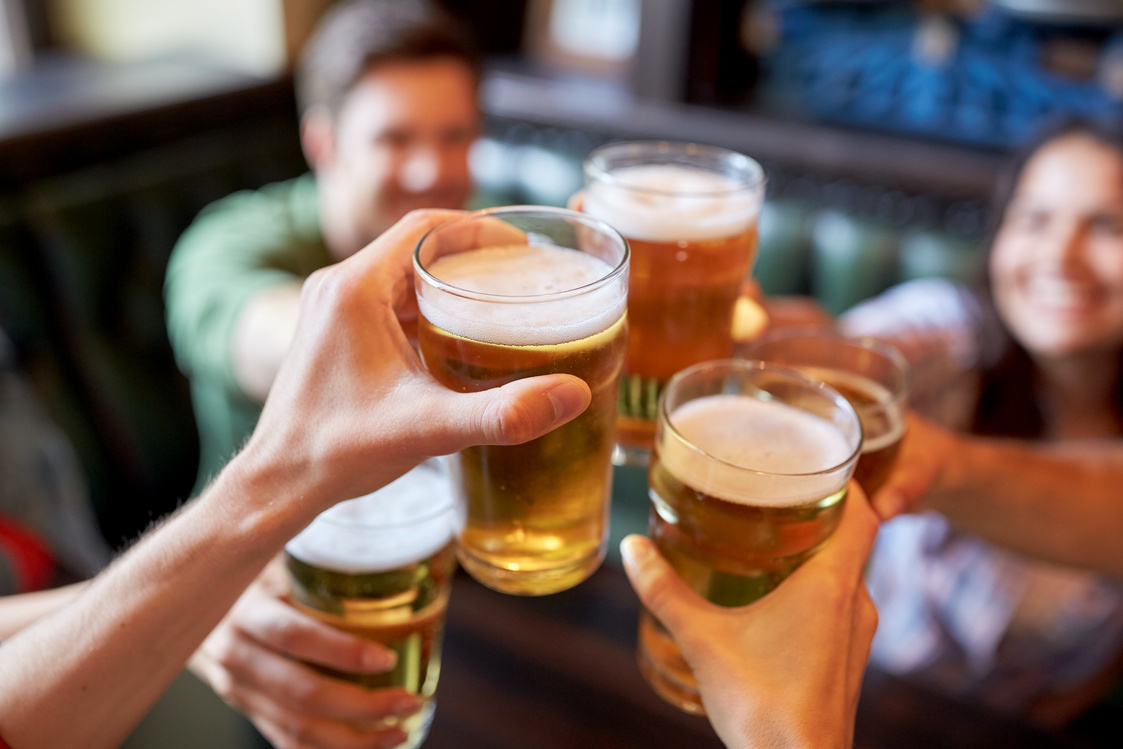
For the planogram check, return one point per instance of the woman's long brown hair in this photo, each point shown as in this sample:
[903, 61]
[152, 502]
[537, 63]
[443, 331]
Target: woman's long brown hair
[1008, 404]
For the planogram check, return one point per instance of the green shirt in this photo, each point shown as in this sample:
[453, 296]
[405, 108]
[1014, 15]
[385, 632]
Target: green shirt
[235, 248]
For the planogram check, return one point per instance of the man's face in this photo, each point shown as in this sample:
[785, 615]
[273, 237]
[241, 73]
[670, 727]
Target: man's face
[401, 142]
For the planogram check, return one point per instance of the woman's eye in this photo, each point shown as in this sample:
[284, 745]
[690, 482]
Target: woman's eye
[394, 139]
[1107, 225]
[1030, 221]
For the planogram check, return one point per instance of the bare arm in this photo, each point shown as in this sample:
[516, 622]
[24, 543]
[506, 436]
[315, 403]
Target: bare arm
[250, 661]
[1059, 502]
[352, 388]
[19, 611]
[262, 335]
[132, 630]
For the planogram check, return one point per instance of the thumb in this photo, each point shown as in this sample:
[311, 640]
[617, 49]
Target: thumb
[521, 410]
[662, 591]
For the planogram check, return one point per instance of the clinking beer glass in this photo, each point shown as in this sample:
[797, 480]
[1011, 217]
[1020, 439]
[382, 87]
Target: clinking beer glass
[874, 377]
[516, 292]
[689, 213]
[381, 567]
[747, 480]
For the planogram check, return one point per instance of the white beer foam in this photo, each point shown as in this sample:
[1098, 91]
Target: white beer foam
[884, 401]
[523, 271]
[671, 203]
[377, 532]
[778, 444]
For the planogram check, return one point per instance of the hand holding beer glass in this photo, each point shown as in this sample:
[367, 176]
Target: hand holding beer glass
[747, 480]
[689, 213]
[873, 376]
[381, 567]
[510, 293]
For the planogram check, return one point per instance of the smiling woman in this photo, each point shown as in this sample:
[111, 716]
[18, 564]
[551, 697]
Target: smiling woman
[1056, 291]
[1046, 334]
[1057, 262]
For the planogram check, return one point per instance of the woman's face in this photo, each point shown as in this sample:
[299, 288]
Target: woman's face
[1057, 263]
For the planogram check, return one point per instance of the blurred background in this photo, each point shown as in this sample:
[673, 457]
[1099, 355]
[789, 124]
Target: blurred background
[881, 125]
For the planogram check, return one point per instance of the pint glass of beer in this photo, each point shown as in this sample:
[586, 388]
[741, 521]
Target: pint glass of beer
[874, 377]
[510, 293]
[380, 567]
[747, 480]
[690, 215]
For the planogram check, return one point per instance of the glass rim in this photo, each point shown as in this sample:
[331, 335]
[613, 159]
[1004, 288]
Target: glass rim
[445, 506]
[594, 170]
[762, 366]
[867, 342]
[618, 270]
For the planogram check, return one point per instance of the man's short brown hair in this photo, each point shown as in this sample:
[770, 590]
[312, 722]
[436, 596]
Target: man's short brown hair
[357, 35]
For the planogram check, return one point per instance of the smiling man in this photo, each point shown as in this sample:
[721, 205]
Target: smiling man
[388, 97]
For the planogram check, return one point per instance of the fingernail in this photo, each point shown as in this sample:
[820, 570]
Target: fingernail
[376, 659]
[405, 705]
[568, 399]
[634, 550]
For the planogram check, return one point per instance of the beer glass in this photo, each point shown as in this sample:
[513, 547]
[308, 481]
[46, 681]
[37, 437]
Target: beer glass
[381, 567]
[689, 213]
[874, 377]
[515, 292]
[747, 480]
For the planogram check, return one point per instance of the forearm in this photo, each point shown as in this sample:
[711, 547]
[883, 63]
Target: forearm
[782, 732]
[18, 611]
[1063, 503]
[262, 336]
[106, 657]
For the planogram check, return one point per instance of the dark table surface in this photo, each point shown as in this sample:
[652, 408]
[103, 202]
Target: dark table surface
[559, 672]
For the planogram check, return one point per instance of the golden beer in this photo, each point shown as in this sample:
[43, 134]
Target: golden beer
[534, 517]
[380, 567]
[690, 215]
[872, 375]
[744, 486]
[883, 423]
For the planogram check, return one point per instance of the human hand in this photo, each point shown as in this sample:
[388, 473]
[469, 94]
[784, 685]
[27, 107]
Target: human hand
[795, 311]
[251, 661]
[927, 454]
[787, 669]
[352, 389]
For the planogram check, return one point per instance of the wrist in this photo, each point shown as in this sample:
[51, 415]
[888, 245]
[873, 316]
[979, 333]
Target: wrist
[269, 501]
[959, 459]
[788, 732]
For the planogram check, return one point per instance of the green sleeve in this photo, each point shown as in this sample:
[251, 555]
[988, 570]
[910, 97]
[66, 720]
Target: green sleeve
[236, 248]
